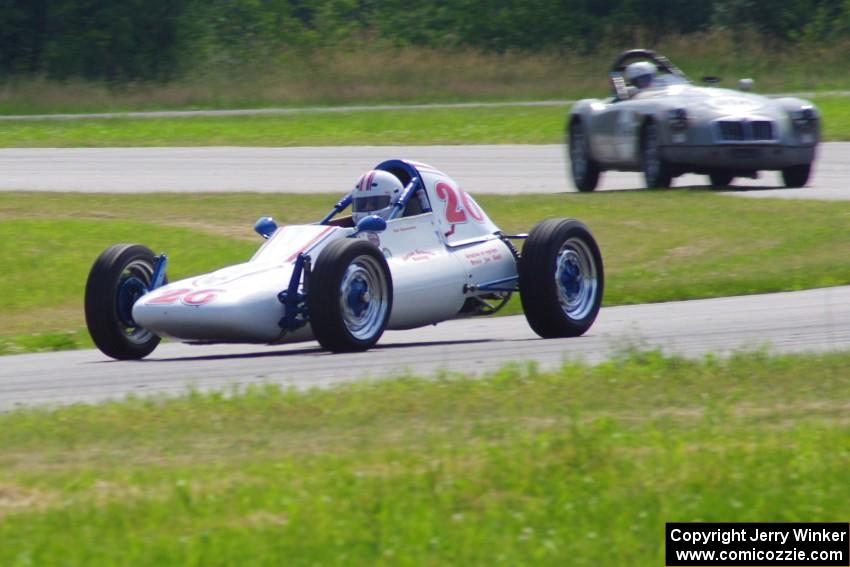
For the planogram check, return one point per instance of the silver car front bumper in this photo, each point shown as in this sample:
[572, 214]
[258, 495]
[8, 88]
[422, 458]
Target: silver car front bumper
[738, 157]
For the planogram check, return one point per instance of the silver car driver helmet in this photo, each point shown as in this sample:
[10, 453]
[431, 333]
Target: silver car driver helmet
[640, 74]
[375, 194]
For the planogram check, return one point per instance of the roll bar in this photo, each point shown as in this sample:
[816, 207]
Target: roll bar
[343, 203]
[660, 61]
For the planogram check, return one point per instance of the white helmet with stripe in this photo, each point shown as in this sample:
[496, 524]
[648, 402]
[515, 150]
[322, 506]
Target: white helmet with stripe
[641, 74]
[375, 194]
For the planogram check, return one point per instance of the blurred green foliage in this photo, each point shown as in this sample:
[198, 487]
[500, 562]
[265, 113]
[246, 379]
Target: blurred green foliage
[130, 40]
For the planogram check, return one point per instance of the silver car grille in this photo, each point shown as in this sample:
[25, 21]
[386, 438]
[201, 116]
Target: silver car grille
[745, 130]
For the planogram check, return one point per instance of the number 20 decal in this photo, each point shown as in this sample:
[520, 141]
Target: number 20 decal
[186, 296]
[457, 208]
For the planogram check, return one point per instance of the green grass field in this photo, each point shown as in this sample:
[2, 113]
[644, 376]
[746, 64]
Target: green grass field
[657, 245]
[502, 125]
[429, 126]
[577, 467]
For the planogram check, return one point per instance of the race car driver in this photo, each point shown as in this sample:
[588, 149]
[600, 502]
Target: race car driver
[641, 74]
[376, 193]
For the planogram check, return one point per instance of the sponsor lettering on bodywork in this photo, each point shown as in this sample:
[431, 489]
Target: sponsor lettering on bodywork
[480, 257]
[418, 255]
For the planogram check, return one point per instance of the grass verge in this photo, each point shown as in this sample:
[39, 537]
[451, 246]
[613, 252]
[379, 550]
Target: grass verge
[657, 245]
[581, 466]
[502, 125]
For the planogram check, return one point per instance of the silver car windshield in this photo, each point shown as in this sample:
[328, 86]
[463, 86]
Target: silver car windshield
[667, 80]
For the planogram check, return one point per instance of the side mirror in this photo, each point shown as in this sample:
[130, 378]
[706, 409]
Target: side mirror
[265, 227]
[372, 223]
[746, 85]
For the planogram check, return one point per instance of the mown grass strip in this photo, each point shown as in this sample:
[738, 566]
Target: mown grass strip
[503, 125]
[657, 245]
[580, 467]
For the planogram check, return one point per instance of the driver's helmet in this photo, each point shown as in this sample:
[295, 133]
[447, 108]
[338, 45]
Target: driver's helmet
[640, 74]
[375, 194]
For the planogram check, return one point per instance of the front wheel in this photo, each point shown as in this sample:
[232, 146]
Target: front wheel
[118, 278]
[656, 171]
[796, 176]
[585, 171]
[561, 278]
[350, 296]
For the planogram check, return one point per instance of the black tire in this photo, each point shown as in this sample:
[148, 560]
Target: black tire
[656, 171]
[585, 172]
[720, 178]
[119, 276]
[561, 279]
[358, 267]
[797, 175]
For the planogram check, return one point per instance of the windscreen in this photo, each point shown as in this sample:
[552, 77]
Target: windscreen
[667, 80]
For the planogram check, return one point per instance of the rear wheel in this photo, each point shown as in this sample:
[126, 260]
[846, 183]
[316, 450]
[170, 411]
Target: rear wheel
[656, 171]
[720, 178]
[796, 176]
[584, 170]
[118, 278]
[350, 296]
[561, 278]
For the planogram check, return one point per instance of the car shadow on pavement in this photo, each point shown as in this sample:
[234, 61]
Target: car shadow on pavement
[750, 188]
[728, 189]
[312, 350]
[432, 343]
[271, 351]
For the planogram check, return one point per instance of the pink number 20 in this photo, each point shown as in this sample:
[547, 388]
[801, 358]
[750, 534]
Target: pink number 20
[456, 209]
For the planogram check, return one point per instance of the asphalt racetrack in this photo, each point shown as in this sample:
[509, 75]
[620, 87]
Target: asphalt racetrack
[812, 320]
[480, 169]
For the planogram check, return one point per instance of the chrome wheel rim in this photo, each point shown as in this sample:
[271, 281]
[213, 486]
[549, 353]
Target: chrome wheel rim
[134, 283]
[578, 158]
[363, 298]
[576, 279]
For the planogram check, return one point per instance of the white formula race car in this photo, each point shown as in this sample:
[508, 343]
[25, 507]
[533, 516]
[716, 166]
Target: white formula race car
[436, 257]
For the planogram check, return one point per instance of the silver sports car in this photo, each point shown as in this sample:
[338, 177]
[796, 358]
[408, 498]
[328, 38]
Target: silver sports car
[667, 126]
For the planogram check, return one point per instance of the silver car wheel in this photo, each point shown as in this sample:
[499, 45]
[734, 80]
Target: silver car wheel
[578, 157]
[363, 298]
[651, 162]
[576, 278]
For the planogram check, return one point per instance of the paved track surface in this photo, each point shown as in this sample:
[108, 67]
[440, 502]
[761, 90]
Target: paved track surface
[481, 169]
[813, 320]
